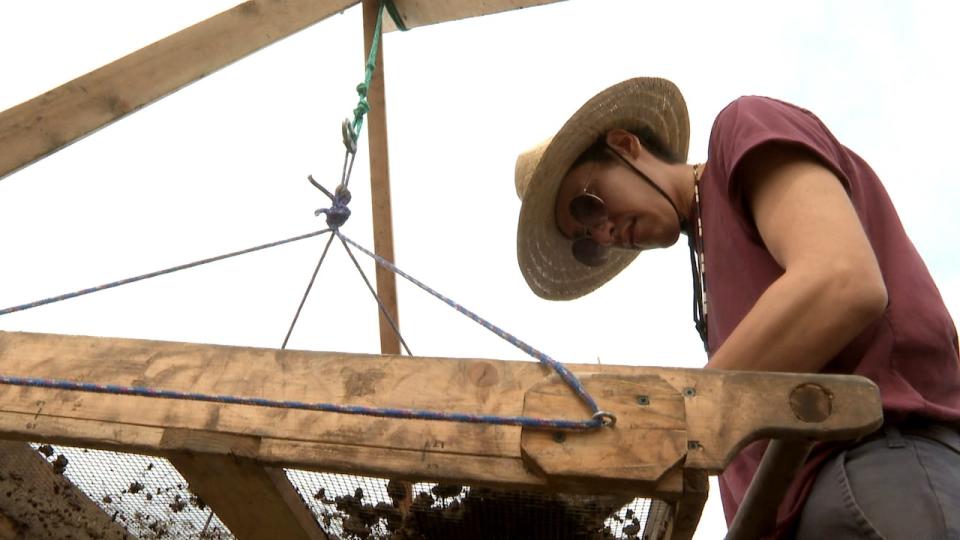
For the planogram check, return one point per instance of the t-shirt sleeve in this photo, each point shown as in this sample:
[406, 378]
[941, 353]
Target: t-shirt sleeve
[752, 121]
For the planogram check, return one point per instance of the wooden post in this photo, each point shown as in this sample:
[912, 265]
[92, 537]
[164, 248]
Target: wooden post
[780, 464]
[380, 184]
[688, 509]
[253, 501]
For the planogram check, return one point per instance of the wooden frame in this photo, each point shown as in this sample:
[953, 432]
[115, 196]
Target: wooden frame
[49, 122]
[663, 447]
[672, 423]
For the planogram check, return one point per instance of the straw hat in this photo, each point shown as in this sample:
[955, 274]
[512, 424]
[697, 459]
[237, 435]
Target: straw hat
[543, 253]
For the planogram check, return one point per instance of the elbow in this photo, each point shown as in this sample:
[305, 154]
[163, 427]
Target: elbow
[864, 294]
[871, 301]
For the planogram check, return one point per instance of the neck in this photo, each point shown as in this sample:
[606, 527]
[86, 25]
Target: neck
[681, 187]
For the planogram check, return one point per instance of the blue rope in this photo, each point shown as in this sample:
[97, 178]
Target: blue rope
[114, 389]
[351, 132]
[597, 420]
[306, 293]
[170, 270]
[561, 370]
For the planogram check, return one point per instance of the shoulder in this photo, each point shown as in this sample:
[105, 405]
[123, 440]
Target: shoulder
[761, 112]
[751, 121]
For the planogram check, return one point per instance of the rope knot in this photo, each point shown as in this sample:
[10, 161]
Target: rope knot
[338, 212]
[362, 108]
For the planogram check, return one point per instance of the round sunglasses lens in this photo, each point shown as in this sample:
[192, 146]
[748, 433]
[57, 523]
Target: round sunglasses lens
[589, 210]
[590, 253]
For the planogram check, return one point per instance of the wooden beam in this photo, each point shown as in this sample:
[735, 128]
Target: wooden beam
[396, 448]
[35, 502]
[39, 127]
[416, 13]
[686, 511]
[659, 517]
[380, 184]
[253, 501]
[757, 514]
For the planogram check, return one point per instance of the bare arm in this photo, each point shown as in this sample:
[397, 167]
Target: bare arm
[831, 288]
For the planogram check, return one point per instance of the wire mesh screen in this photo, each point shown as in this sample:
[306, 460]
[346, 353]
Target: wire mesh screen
[350, 507]
[144, 494]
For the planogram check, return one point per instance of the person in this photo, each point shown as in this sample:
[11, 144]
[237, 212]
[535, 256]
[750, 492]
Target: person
[800, 264]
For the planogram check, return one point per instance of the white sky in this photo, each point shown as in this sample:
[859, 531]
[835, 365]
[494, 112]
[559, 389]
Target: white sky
[222, 165]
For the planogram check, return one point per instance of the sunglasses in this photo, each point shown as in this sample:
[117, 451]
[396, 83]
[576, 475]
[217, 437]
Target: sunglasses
[590, 211]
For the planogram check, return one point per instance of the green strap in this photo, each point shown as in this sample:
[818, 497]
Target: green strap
[363, 107]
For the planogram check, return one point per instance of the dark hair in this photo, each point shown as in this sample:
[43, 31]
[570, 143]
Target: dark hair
[599, 152]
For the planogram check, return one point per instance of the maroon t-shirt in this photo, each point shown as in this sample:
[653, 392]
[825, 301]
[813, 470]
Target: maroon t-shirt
[910, 352]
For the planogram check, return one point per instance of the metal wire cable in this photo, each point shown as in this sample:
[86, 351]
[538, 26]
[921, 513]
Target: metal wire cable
[376, 297]
[170, 270]
[306, 293]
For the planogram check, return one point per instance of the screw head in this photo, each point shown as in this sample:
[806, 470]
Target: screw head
[643, 400]
[689, 391]
[559, 437]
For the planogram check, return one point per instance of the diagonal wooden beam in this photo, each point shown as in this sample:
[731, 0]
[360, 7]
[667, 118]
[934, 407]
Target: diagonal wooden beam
[416, 13]
[39, 127]
[36, 502]
[253, 501]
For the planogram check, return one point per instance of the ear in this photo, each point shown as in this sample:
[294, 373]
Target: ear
[623, 142]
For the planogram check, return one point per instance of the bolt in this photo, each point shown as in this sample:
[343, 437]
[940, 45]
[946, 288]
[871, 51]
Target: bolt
[643, 400]
[811, 403]
[689, 391]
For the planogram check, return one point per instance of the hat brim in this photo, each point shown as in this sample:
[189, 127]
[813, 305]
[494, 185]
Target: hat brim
[544, 254]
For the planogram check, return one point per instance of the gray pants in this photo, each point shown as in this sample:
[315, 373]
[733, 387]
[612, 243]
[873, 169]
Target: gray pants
[898, 484]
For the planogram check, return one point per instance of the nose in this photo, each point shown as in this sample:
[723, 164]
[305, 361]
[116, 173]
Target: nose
[604, 233]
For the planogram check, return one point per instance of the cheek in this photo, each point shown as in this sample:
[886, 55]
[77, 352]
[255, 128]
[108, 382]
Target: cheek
[564, 220]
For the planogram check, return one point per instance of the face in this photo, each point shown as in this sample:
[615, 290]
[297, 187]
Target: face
[638, 217]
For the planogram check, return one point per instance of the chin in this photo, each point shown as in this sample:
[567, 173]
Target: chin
[669, 238]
